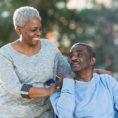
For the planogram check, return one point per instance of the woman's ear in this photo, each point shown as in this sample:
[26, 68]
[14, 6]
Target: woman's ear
[18, 30]
[93, 61]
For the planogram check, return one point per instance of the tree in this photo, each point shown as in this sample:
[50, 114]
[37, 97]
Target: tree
[97, 27]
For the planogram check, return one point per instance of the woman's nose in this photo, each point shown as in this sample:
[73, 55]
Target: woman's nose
[39, 32]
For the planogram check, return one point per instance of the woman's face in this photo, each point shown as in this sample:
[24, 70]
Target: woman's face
[31, 32]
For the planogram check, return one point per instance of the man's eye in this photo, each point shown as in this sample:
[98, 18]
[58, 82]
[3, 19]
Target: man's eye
[71, 56]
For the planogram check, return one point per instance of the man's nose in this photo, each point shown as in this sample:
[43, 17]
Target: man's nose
[74, 58]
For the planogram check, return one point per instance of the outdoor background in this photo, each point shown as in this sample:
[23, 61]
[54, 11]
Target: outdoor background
[66, 22]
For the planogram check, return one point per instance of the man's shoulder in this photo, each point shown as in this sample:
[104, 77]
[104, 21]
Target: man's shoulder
[107, 79]
[104, 78]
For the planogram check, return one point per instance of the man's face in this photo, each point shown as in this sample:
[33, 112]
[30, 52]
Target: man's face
[80, 58]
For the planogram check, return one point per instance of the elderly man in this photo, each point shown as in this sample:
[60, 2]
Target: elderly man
[87, 95]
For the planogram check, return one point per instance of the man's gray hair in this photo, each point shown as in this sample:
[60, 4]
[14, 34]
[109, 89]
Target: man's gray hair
[23, 14]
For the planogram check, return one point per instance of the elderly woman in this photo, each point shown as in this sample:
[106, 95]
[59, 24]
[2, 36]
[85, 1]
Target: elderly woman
[25, 67]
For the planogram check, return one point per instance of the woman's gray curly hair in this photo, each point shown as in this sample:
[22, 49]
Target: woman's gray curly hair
[23, 14]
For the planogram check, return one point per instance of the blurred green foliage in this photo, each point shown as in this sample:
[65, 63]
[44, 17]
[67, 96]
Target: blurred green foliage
[97, 27]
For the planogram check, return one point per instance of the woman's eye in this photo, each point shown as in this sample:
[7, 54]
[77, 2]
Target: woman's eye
[33, 30]
[79, 55]
[40, 29]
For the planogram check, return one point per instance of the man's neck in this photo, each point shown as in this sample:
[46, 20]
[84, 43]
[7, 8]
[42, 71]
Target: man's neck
[85, 75]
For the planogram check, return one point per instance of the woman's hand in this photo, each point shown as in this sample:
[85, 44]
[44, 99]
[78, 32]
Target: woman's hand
[101, 71]
[68, 76]
[43, 92]
[54, 88]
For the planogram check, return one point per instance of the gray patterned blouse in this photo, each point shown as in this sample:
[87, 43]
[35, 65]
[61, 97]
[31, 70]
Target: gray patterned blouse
[17, 69]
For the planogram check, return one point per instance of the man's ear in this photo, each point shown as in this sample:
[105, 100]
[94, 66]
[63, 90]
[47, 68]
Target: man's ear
[93, 61]
[18, 30]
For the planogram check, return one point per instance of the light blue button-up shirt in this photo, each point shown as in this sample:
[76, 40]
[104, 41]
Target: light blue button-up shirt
[97, 98]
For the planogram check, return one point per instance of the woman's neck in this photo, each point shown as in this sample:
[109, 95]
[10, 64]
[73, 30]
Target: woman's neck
[25, 48]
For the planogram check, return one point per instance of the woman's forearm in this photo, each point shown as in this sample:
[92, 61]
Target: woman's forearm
[102, 71]
[42, 92]
[39, 92]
